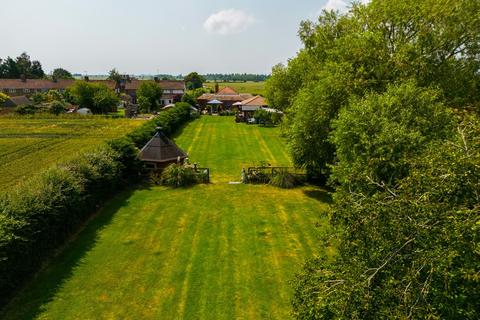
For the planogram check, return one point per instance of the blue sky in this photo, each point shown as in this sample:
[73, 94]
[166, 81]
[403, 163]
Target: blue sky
[150, 36]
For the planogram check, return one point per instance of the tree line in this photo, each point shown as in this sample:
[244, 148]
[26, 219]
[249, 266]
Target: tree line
[382, 103]
[23, 67]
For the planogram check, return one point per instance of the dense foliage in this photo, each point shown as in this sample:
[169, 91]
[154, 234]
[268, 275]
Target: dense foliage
[21, 66]
[178, 175]
[194, 81]
[38, 216]
[384, 102]
[95, 96]
[60, 73]
[148, 95]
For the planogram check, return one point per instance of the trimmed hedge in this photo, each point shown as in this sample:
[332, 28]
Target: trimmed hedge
[37, 217]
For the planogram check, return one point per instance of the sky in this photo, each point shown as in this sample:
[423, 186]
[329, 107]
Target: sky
[157, 36]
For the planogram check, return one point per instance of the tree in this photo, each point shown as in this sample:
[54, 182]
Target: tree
[105, 100]
[60, 73]
[194, 81]
[97, 97]
[3, 98]
[405, 252]
[152, 92]
[57, 107]
[21, 66]
[114, 75]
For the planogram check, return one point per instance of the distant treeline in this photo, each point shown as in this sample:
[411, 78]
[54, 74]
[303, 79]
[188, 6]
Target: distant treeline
[233, 77]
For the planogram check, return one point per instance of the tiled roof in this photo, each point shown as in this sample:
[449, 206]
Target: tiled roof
[37, 84]
[227, 91]
[16, 101]
[255, 101]
[223, 97]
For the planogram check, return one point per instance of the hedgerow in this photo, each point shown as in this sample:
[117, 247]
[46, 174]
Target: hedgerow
[38, 216]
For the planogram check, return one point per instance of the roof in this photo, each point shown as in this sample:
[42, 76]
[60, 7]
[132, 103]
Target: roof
[227, 91]
[134, 84]
[161, 149]
[37, 84]
[255, 101]
[223, 98]
[16, 101]
[215, 102]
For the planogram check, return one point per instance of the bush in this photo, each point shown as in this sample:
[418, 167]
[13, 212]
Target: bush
[284, 179]
[178, 175]
[26, 109]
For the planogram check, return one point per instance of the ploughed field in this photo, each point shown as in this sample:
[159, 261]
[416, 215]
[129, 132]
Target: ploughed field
[30, 145]
[217, 251]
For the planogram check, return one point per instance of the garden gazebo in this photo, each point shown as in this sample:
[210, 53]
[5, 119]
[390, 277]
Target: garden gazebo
[214, 104]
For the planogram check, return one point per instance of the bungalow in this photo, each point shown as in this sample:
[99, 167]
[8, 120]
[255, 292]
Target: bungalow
[227, 96]
[13, 102]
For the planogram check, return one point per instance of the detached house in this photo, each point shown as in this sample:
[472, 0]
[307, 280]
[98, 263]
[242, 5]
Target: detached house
[227, 96]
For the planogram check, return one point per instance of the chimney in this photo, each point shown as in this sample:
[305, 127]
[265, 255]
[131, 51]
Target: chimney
[157, 79]
[23, 77]
[86, 78]
[216, 87]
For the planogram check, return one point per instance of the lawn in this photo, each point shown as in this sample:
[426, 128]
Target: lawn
[30, 145]
[241, 87]
[216, 251]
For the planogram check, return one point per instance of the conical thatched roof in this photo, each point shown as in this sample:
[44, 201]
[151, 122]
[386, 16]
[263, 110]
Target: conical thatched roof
[161, 149]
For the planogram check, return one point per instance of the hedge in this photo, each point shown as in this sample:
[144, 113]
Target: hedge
[38, 216]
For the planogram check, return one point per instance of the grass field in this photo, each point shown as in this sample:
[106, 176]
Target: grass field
[216, 251]
[241, 87]
[30, 145]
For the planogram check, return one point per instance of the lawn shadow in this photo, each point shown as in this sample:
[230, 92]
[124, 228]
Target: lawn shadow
[30, 301]
[319, 195]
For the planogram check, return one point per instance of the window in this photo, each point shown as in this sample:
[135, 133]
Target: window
[12, 90]
[26, 90]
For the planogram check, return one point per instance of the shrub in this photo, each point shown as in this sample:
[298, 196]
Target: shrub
[26, 109]
[284, 179]
[178, 175]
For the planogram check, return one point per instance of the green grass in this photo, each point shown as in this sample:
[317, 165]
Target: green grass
[29, 145]
[241, 87]
[216, 251]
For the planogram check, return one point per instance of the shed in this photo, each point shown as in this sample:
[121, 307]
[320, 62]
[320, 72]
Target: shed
[160, 151]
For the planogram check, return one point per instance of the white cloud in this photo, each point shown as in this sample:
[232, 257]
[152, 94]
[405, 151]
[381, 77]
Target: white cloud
[336, 5]
[229, 21]
[340, 5]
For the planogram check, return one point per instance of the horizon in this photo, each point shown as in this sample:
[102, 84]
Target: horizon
[148, 37]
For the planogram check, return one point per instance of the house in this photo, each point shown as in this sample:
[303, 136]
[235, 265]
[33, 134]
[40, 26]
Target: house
[173, 91]
[249, 106]
[23, 87]
[227, 96]
[160, 151]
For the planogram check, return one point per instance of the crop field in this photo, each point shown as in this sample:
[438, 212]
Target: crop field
[242, 87]
[30, 145]
[216, 251]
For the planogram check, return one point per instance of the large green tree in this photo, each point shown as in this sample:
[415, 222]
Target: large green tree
[60, 73]
[148, 95]
[194, 81]
[95, 96]
[372, 100]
